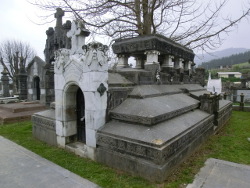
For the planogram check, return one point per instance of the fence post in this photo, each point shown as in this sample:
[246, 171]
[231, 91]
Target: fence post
[242, 102]
[225, 96]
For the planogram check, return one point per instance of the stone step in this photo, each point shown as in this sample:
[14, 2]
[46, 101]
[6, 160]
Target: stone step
[152, 151]
[145, 91]
[153, 110]
[22, 107]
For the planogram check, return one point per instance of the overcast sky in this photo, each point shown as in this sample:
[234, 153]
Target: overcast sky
[17, 17]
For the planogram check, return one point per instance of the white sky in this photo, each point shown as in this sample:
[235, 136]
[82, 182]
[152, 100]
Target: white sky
[16, 16]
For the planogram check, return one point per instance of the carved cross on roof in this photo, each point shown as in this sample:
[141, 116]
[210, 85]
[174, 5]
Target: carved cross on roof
[58, 15]
[78, 33]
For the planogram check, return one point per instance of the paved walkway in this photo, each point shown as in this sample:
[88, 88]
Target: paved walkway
[222, 174]
[21, 168]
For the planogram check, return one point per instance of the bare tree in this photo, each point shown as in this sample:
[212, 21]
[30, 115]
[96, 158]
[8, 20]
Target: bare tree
[193, 23]
[14, 56]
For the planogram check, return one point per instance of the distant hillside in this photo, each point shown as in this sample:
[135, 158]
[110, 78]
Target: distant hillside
[231, 60]
[218, 54]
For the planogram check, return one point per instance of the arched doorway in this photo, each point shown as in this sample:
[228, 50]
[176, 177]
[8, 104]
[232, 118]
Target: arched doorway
[80, 110]
[37, 88]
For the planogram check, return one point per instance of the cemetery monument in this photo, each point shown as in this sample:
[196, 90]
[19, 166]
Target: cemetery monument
[143, 120]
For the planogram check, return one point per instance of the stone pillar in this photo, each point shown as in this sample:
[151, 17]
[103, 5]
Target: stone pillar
[152, 63]
[187, 65]
[5, 83]
[22, 83]
[168, 63]
[179, 63]
[209, 103]
[152, 57]
[139, 62]
[242, 101]
[122, 61]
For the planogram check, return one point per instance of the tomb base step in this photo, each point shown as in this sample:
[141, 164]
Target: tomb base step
[152, 152]
[23, 107]
[81, 150]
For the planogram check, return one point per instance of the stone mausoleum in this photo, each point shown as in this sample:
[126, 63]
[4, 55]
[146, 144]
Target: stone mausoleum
[143, 120]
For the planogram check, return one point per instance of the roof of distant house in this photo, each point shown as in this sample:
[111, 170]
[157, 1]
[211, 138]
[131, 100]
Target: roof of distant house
[228, 72]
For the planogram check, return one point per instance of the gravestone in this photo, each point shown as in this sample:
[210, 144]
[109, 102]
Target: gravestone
[5, 83]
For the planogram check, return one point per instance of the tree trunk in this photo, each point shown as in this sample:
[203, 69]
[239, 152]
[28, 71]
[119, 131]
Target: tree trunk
[146, 17]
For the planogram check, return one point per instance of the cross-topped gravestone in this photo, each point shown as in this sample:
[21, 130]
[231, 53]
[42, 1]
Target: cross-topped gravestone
[58, 15]
[78, 33]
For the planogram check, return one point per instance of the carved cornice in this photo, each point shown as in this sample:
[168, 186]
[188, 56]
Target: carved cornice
[139, 45]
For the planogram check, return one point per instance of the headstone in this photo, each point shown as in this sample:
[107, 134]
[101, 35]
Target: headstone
[5, 83]
[22, 83]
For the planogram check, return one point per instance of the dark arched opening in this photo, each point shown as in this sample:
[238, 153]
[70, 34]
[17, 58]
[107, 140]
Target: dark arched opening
[80, 109]
[37, 88]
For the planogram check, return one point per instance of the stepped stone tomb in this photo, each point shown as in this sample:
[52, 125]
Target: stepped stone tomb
[144, 120]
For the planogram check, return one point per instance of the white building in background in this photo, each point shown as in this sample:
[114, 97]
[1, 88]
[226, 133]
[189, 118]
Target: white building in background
[214, 85]
[229, 74]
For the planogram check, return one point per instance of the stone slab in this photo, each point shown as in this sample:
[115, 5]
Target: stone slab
[149, 111]
[165, 131]
[144, 91]
[115, 79]
[197, 94]
[22, 112]
[224, 103]
[22, 106]
[22, 168]
[219, 173]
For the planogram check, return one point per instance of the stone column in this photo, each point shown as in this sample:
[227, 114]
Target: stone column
[22, 82]
[152, 63]
[168, 61]
[168, 64]
[152, 57]
[138, 61]
[187, 65]
[179, 63]
[122, 61]
[5, 83]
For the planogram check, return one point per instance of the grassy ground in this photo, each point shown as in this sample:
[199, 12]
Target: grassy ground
[230, 144]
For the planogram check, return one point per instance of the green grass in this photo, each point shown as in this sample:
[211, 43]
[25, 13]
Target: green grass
[230, 144]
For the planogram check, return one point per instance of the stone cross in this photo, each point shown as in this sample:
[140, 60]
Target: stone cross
[78, 33]
[58, 15]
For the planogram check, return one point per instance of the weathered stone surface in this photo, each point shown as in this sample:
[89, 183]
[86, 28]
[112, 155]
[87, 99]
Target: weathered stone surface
[152, 42]
[36, 80]
[152, 152]
[150, 111]
[197, 94]
[115, 79]
[44, 126]
[218, 173]
[5, 84]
